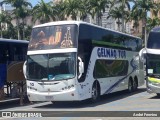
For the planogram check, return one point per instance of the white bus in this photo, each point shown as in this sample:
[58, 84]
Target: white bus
[74, 61]
[153, 61]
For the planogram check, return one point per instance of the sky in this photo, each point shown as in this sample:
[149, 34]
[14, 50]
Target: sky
[34, 2]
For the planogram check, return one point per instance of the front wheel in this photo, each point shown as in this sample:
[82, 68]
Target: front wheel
[95, 93]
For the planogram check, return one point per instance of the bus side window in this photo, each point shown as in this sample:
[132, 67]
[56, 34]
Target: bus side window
[4, 53]
[18, 53]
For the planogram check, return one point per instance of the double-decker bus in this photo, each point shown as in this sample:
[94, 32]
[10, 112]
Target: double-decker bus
[152, 52]
[12, 56]
[74, 61]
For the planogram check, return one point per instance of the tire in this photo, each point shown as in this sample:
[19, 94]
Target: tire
[135, 85]
[130, 86]
[95, 94]
[158, 94]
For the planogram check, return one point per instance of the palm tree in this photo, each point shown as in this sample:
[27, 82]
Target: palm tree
[125, 7]
[116, 14]
[18, 5]
[10, 32]
[58, 10]
[83, 11]
[21, 13]
[144, 6]
[135, 17]
[4, 19]
[72, 8]
[97, 7]
[43, 12]
[77, 9]
[25, 13]
[151, 23]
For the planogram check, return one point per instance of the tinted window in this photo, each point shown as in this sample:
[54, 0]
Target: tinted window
[19, 51]
[110, 68]
[153, 40]
[4, 52]
[87, 32]
[84, 52]
[153, 64]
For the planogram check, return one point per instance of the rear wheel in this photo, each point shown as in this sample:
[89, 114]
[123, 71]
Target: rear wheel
[95, 93]
[158, 94]
[135, 85]
[130, 86]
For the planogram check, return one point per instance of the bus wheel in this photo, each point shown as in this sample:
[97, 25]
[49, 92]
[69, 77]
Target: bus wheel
[130, 86]
[135, 85]
[95, 93]
[158, 94]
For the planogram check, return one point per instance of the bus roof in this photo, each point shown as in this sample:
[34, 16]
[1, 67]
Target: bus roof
[13, 40]
[78, 23]
[156, 29]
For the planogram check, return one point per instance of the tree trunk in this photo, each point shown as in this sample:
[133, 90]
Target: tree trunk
[123, 28]
[144, 36]
[118, 23]
[23, 28]
[123, 6]
[18, 29]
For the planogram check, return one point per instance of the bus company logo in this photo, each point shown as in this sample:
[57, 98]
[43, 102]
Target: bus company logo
[111, 53]
[67, 42]
[6, 115]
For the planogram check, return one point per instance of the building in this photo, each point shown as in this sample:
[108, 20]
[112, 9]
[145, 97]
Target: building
[104, 21]
[151, 13]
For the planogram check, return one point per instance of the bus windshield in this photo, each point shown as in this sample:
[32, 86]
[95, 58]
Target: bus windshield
[153, 40]
[53, 37]
[153, 64]
[60, 66]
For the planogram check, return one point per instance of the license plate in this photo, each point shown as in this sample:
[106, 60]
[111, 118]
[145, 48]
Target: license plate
[49, 97]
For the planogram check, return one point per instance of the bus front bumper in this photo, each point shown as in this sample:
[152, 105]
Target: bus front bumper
[153, 88]
[69, 95]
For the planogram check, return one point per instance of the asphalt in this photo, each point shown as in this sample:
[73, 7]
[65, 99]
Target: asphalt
[14, 102]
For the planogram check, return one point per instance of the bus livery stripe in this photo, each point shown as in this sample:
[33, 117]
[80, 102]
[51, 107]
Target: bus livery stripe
[119, 81]
[153, 80]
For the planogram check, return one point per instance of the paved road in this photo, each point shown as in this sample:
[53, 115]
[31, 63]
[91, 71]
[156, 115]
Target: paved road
[120, 101]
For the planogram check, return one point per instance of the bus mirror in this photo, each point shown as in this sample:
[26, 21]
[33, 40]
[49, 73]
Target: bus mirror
[24, 69]
[142, 55]
[80, 67]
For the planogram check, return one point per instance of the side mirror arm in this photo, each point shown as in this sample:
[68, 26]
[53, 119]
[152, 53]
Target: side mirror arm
[81, 67]
[24, 69]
